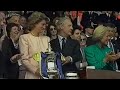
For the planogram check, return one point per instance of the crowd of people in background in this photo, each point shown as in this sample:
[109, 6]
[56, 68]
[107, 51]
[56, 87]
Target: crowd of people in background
[81, 36]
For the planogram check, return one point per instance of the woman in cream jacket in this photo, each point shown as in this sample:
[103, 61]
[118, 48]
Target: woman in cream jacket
[33, 43]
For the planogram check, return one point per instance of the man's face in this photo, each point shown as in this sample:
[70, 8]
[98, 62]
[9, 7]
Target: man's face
[67, 27]
[90, 31]
[76, 34]
[2, 19]
[112, 31]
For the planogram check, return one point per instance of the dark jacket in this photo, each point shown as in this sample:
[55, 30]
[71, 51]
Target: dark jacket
[72, 48]
[8, 50]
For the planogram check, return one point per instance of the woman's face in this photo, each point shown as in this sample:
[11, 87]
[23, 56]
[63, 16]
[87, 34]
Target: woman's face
[41, 26]
[14, 31]
[106, 38]
[83, 40]
[53, 31]
[77, 34]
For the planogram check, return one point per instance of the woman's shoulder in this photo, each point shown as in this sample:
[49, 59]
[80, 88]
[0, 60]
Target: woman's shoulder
[90, 47]
[25, 35]
[108, 49]
[45, 37]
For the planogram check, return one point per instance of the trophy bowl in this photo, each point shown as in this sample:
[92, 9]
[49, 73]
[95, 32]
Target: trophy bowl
[50, 65]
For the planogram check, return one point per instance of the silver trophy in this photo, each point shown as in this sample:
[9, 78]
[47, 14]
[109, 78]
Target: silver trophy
[51, 66]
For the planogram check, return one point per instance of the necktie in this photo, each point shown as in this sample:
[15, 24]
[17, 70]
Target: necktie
[63, 43]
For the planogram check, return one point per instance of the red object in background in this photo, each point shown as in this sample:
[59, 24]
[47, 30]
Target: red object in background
[80, 14]
[118, 17]
[75, 14]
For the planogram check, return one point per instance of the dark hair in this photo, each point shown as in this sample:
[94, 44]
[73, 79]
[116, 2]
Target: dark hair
[48, 29]
[23, 16]
[111, 25]
[9, 27]
[76, 27]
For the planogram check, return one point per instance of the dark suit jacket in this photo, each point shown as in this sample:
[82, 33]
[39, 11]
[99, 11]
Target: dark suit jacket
[105, 19]
[72, 48]
[8, 50]
[88, 18]
[1, 65]
[90, 41]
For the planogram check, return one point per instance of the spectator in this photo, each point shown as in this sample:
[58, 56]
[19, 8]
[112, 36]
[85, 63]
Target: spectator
[89, 32]
[76, 33]
[11, 52]
[23, 22]
[68, 47]
[99, 55]
[33, 43]
[51, 31]
[3, 32]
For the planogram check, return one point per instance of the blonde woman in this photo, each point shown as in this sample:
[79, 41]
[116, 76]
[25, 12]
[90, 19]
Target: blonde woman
[99, 55]
[33, 43]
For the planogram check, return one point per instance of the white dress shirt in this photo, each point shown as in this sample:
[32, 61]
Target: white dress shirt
[60, 41]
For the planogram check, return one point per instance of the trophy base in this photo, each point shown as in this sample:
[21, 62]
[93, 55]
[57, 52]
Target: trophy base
[53, 74]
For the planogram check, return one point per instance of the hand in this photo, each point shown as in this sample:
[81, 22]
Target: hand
[16, 38]
[111, 57]
[84, 64]
[37, 73]
[16, 57]
[67, 60]
[118, 55]
[21, 32]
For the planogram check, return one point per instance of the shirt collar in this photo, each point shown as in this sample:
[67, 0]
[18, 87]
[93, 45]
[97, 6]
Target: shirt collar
[87, 35]
[60, 37]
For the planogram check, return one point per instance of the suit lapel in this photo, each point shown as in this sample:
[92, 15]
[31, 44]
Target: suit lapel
[67, 46]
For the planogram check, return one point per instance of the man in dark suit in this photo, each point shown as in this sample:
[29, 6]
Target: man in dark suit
[89, 17]
[69, 48]
[105, 17]
[89, 32]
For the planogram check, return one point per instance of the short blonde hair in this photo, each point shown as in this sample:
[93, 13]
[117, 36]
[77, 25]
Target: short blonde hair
[99, 32]
[35, 18]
